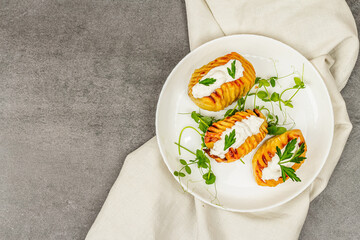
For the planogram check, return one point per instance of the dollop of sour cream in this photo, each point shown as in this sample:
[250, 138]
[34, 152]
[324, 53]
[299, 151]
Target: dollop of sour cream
[273, 170]
[243, 129]
[221, 75]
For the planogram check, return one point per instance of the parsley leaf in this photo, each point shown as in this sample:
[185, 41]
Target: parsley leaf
[289, 172]
[208, 81]
[288, 150]
[229, 140]
[278, 151]
[233, 69]
[300, 150]
[294, 158]
[297, 160]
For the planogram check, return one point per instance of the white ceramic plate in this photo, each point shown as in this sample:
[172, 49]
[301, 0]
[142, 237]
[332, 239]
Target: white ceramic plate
[236, 189]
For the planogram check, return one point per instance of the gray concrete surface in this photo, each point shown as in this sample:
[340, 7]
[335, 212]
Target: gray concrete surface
[79, 82]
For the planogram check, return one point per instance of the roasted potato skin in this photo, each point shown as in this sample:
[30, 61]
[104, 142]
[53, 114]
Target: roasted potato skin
[268, 150]
[214, 132]
[228, 92]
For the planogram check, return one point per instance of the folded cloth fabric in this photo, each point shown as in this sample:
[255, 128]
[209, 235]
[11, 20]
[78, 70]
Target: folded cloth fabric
[145, 204]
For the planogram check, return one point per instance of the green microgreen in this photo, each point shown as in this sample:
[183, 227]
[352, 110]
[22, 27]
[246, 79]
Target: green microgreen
[262, 86]
[201, 161]
[180, 135]
[299, 84]
[262, 95]
[275, 97]
[275, 130]
[273, 81]
[209, 178]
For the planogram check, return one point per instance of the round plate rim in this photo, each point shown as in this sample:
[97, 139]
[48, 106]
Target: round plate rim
[331, 121]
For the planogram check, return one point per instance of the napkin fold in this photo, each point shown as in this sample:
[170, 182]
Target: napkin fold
[145, 204]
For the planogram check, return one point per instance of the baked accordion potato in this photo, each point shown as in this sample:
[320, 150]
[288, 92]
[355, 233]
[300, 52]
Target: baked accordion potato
[229, 91]
[267, 151]
[216, 130]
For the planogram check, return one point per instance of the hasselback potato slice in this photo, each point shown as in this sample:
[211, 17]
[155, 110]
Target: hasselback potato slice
[250, 129]
[265, 154]
[215, 96]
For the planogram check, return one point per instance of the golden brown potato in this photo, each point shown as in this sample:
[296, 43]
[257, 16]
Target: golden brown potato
[229, 91]
[268, 150]
[214, 132]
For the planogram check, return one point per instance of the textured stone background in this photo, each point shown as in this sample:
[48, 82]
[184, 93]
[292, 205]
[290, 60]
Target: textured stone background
[79, 82]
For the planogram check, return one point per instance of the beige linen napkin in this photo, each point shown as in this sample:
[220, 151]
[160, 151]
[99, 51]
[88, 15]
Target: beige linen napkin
[145, 204]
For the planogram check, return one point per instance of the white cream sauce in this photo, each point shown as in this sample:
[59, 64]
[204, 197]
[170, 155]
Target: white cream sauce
[221, 75]
[243, 129]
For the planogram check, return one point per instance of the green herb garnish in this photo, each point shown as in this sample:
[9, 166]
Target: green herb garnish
[232, 70]
[299, 84]
[201, 161]
[203, 121]
[209, 178]
[288, 171]
[275, 97]
[289, 156]
[275, 130]
[273, 81]
[207, 81]
[229, 140]
[262, 93]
